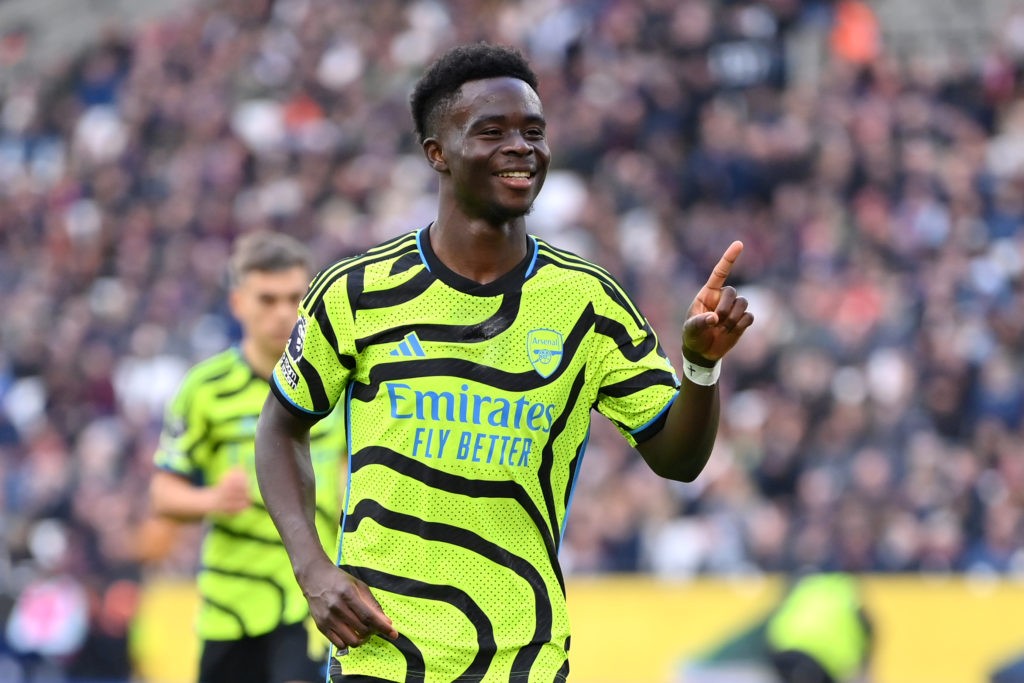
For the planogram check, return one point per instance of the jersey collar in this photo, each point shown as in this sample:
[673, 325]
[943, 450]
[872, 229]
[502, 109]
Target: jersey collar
[511, 281]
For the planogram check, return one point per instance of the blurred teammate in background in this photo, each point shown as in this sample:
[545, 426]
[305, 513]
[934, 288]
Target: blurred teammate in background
[252, 613]
[821, 632]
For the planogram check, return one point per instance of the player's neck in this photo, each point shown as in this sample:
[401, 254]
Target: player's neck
[478, 250]
[261, 363]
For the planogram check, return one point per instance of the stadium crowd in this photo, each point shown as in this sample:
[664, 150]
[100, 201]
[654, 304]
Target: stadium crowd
[873, 417]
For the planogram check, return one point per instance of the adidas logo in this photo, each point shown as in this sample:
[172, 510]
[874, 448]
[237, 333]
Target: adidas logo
[410, 346]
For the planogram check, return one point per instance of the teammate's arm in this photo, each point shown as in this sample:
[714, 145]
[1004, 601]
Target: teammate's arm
[716, 320]
[176, 497]
[342, 606]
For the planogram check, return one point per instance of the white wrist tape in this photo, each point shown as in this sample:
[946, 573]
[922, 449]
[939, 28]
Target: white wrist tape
[699, 374]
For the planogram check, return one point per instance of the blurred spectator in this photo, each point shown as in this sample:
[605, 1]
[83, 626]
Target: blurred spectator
[856, 36]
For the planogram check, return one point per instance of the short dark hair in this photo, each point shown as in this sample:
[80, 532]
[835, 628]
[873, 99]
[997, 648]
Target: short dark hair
[443, 79]
[267, 252]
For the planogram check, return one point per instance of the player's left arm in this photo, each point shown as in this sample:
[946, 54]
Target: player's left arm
[716, 320]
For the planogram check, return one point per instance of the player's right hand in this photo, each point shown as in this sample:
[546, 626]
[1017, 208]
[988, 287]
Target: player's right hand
[230, 495]
[343, 607]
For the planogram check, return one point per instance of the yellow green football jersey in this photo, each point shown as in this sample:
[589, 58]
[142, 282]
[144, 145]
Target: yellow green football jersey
[469, 408]
[245, 580]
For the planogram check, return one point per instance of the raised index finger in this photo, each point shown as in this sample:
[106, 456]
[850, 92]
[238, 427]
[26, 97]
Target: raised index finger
[724, 266]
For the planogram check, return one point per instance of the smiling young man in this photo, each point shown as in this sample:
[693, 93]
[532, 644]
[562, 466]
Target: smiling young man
[468, 355]
[252, 613]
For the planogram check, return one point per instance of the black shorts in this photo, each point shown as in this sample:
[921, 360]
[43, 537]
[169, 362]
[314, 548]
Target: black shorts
[794, 666]
[276, 657]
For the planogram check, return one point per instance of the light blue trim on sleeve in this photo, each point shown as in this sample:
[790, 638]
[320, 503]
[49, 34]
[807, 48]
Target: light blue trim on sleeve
[656, 417]
[281, 392]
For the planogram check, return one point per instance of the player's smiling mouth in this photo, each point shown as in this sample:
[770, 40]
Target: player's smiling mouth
[519, 179]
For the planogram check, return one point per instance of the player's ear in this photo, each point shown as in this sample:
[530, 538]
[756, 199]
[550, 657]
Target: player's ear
[235, 302]
[435, 155]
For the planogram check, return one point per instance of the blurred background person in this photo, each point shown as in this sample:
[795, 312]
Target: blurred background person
[252, 615]
[821, 632]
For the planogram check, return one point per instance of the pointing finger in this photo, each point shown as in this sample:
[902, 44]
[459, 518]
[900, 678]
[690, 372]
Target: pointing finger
[724, 266]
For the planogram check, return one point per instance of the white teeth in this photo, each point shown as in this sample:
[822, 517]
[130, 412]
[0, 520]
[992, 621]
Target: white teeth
[515, 174]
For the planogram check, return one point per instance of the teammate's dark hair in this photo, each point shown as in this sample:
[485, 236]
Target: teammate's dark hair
[436, 89]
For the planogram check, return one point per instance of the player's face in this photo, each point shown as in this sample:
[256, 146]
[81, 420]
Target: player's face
[266, 305]
[495, 147]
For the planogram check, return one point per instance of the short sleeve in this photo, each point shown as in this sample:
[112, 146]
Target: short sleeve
[180, 449]
[637, 381]
[318, 361]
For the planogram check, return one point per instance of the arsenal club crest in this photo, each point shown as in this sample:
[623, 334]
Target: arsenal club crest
[545, 350]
